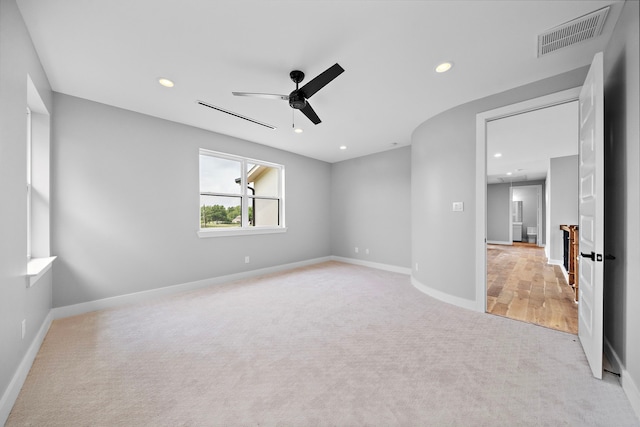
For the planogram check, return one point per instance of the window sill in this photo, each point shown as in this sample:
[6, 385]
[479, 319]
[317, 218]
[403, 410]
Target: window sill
[36, 267]
[240, 231]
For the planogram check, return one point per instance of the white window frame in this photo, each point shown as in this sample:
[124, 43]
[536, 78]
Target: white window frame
[29, 182]
[245, 228]
[38, 251]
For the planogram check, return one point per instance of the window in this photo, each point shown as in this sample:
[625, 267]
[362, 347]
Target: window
[29, 146]
[38, 131]
[239, 195]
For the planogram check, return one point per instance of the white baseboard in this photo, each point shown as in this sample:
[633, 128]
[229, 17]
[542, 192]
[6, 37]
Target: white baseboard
[376, 265]
[120, 300]
[13, 389]
[450, 299]
[499, 242]
[565, 273]
[628, 385]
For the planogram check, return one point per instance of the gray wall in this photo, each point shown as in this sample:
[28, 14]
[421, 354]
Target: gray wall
[371, 208]
[17, 302]
[563, 201]
[622, 188]
[498, 211]
[126, 205]
[443, 166]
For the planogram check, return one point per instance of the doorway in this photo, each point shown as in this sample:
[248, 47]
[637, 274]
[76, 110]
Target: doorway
[517, 281]
[526, 214]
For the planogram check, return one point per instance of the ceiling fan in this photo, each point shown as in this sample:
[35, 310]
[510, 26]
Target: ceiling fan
[298, 98]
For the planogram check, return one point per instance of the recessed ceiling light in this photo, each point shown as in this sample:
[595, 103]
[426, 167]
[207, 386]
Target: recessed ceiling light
[508, 173]
[497, 155]
[165, 82]
[298, 130]
[343, 147]
[444, 67]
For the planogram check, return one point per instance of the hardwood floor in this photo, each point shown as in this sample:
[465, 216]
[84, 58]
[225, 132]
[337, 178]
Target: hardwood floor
[522, 286]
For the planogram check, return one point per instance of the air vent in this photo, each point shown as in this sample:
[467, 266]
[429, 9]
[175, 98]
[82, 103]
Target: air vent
[240, 116]
[575, 31]
[515, 178]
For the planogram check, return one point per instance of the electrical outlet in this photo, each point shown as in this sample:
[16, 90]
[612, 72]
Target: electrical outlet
[247, 259]
[356, 250]
[416, 266]
[366, 251]
[24, 327]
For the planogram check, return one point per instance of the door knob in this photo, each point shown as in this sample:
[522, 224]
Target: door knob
[592, 255]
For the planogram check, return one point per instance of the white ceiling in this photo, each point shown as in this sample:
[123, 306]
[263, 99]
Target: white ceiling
[527, 141]
[114, 51]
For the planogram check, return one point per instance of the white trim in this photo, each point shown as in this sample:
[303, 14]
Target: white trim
[552, 261]
[238, 158]
[442, 296]
[120, 300]
[630, 388]
[612, 356]
[13, 389]
[29, 180]
[36, 267]
[499, 242]
[239, 231]
[510, 216]
[376, 265]
[481, 175]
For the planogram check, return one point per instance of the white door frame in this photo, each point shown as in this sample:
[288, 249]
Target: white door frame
[481, 176]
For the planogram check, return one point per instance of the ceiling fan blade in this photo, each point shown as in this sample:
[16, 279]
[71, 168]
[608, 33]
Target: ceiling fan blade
[311, 115]
[321, 80]
[262, 95]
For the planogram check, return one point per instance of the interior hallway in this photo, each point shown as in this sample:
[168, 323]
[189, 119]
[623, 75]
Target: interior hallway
[522, 286]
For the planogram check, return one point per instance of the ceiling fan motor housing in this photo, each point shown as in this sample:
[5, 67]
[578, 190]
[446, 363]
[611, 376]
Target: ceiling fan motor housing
[296, 100]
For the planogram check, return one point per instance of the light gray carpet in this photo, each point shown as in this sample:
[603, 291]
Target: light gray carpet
[327, 345]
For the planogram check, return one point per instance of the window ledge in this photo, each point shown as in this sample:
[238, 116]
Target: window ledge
[36, 267]
[240, 231]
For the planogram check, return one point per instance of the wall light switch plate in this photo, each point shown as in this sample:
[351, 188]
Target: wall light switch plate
[458, 207]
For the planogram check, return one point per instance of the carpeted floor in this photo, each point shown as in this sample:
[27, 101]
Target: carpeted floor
[326, 345]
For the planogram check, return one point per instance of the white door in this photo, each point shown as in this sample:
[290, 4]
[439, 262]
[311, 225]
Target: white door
[591, 208]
